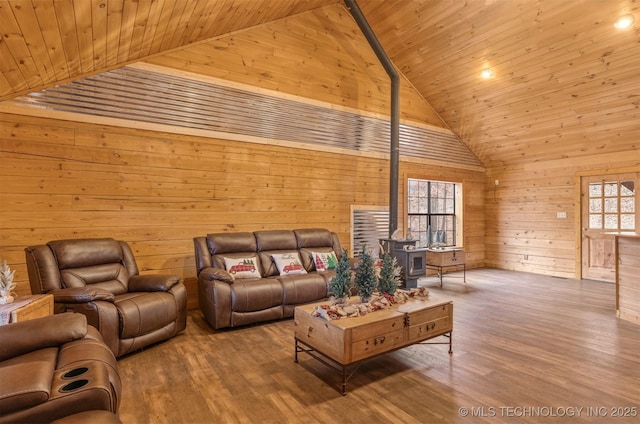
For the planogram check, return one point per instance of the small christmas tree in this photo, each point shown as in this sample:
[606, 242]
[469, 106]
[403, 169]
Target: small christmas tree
[340, 285]
[365, 279]
[389, 275]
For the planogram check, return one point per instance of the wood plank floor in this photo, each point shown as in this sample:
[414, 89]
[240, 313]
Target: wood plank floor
[523, 345]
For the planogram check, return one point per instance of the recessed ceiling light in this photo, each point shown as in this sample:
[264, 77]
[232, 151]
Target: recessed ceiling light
[624, 22]
[486, 73]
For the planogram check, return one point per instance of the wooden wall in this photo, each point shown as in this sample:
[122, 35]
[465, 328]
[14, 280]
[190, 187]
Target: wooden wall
[523, 232]
[320, 55]
[627, 283]
[64, 179]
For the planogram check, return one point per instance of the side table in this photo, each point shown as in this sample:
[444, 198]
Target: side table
[27, 307]
[446, 257]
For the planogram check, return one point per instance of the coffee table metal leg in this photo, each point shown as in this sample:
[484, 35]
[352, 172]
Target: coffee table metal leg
[344, 380]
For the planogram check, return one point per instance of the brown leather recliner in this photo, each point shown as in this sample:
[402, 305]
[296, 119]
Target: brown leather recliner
[56, 367]
[99, 278]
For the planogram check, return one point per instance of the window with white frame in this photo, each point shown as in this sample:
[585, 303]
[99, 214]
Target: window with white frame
[431, 207]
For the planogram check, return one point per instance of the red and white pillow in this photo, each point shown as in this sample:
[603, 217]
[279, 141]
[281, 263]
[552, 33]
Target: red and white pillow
[289, 263]
[243, 267]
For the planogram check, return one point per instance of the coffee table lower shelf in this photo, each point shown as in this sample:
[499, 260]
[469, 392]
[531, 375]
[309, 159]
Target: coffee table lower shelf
[347, 371]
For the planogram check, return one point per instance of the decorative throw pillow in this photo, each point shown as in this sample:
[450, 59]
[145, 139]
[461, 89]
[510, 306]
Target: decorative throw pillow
[243, 267]
[324, 261]
[289, 263]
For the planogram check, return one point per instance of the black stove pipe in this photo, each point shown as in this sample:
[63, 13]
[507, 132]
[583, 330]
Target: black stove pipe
[357, 14]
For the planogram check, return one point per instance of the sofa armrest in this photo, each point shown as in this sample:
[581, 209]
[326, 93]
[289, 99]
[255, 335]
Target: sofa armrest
[152, 282]
[39, 333]
[26, 383]
[81, 295]
[216, 274]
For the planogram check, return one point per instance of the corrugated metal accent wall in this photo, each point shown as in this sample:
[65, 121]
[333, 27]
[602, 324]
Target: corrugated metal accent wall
[153, 97]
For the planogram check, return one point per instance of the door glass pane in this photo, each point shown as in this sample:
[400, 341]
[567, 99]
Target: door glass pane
[611, 205]
[611, 189]
[627, 188]
[627, 222]
[611, 221]
[595, 221]
[595, 190]
[627, 204]
[616, 201]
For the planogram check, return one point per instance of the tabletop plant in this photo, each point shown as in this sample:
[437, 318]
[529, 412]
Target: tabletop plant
[340, 284]
[390, 275]
[6, 283]
[365, 278]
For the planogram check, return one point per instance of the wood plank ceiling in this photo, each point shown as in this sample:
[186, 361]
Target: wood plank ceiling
[566, 81]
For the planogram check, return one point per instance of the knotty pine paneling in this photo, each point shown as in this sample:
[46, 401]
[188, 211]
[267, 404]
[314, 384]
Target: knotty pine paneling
[523, 232]
[320, 55]
[63, 179]
[628, 286]
[47, 42]
[564, 82]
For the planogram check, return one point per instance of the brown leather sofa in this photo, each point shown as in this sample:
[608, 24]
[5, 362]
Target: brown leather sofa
[99, 278]
[227, 301]
[56, 367]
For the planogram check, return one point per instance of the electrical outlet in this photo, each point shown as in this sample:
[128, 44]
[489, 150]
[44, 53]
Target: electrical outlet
[526, 257]
[561, 215]
[497, 182]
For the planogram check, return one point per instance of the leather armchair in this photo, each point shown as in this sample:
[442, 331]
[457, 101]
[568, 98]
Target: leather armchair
[99, 278]
[56, 367]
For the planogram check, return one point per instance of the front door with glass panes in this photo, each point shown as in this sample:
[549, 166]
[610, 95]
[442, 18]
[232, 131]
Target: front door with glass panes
[609, 205]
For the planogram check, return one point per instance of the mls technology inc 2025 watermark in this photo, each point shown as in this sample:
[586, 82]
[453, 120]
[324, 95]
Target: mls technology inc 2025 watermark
[549, 411]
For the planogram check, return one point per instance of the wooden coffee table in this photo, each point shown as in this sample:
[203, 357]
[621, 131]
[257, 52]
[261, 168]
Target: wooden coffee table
[343, 344]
